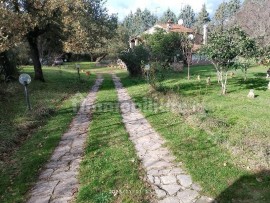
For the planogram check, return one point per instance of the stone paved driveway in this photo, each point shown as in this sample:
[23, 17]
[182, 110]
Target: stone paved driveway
[58, 181]
[169, 181]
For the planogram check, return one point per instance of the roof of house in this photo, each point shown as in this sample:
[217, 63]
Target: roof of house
[177, 28]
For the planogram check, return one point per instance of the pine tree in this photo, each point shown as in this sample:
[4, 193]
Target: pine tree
[233, 6]
[139, 21]
[188, 16]
[225, 13]
[221, 16]
[202, 19]
[168, 15]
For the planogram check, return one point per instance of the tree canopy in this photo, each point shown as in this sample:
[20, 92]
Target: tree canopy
[253, 17]
[201, 19]
[163, 46]
[225, 13]
[222, 49]
[168, 15]
[78, 25]
[187, 15]
[138, 22]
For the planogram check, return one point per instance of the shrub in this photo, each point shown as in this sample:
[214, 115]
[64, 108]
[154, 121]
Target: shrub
[134, 58]
[157, 75]
[8, 67]
[164, 46]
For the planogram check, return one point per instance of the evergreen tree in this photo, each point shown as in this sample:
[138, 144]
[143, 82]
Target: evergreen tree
[202, 19]
[168, 15]
[139, 21]
[225, 13]
[221, 16]
[233, 6]
[188, 16]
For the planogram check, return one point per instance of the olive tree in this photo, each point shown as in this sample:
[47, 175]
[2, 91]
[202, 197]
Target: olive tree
[222, 50]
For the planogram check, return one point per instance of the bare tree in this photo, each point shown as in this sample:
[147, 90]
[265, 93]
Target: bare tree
[253, 17]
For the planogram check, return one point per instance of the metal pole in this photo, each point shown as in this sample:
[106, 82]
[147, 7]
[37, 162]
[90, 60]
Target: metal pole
[27, 97]
[78, 71]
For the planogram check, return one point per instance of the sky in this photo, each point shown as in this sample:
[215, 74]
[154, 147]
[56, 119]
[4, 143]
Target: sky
[123, 7]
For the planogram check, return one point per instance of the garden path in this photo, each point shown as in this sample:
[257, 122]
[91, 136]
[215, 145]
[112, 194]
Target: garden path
[169, 181]
[58, 181]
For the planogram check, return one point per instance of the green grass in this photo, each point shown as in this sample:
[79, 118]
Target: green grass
[214, 145]
[110, 171]
[225, 149]
[44, 127]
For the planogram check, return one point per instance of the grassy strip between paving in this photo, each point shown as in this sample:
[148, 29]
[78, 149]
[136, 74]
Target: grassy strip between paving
[209, 164]
[110, 171]
[20, 172]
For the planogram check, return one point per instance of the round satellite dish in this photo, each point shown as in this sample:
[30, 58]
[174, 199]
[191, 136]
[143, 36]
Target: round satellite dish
[191, 36]
[25, 79]
[180, 22]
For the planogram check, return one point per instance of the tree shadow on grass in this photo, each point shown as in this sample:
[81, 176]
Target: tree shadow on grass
[249, 189]
[253, 83]
[260, 74]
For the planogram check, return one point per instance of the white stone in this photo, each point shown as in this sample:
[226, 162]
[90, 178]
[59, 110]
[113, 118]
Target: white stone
[171, 189]
[188, 196]
[196, 187]
[205, 200]
[170, 200]
[185, 180]
[166, 180]
[159, 193]
[251, 94]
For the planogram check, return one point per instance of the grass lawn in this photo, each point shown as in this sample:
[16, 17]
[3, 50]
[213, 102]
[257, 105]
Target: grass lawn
[28, 138]
[110, 171]
[225, 147]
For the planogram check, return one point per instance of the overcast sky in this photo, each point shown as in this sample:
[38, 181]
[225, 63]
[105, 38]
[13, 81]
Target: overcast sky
[123, 7]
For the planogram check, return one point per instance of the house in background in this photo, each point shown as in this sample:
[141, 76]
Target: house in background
[170, 27]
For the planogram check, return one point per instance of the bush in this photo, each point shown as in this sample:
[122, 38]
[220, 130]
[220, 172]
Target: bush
[134, 58]
[157, 75]
[164, 46]
[8, 67]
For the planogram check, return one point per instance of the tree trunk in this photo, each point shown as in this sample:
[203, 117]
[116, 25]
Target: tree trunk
[8, 67]
[32, 40]
[224, 83]
[101, 57]
[188, 71]
[218, 77]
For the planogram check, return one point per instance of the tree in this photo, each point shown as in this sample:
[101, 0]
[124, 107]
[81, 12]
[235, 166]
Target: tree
[149, 20]
[220, 17]
[253, 17]
[225, 13]
[91, 29]
[202, 19]
[188, 16]
[133, 58]
[222, 49]
[233, 7]
[168, 15]
[10, 34]
[78, 25]
[41, 16]
[138, 22]
[114, 46]
[187, 44]
[163, 46]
